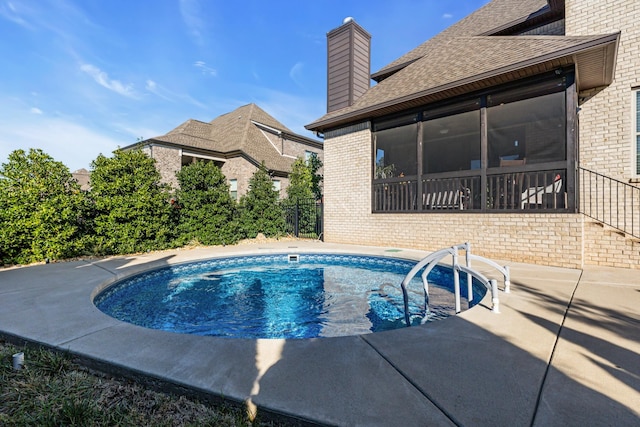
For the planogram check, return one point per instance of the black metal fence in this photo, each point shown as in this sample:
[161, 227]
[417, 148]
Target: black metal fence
[304, 218]
[611, 202]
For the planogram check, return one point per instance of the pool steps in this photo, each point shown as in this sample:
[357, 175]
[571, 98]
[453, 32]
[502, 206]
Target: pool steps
[431, 260]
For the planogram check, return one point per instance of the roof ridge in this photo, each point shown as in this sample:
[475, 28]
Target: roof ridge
[184, 125]
[245, 131]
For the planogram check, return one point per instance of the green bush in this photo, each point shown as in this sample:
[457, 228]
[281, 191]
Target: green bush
[206, 210]
[260, 208]
[132, 208]
[41, 213]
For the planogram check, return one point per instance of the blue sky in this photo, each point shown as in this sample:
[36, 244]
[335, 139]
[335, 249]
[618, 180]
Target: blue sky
[83, 77]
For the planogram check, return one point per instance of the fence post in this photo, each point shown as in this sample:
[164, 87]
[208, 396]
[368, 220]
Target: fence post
[320, 221]
[296, 229]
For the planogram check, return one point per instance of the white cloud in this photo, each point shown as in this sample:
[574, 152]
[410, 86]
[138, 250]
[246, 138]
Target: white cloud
[71, 143]
[205, 68]
[152, 86]
[447, 16]
[191, 13]
[35, 110]
[61, 17]
[296, 73]
[171, 96]
[102, 78]
[9, 12]
[157, 90]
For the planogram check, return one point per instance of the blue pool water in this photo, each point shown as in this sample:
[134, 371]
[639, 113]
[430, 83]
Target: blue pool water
[268, 296]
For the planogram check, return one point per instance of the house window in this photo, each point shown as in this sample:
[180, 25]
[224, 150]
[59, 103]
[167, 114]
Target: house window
[636, 133]
[307, 155]
[276, 185]
[233, 188]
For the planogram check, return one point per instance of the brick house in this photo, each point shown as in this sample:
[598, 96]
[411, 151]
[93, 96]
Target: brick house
[517, 129]
[238, 142]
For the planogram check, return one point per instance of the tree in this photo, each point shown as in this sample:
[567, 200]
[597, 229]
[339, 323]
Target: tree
[205, 206]
[303, 190]
[300, 182]
[304, 181]
[132, 208]
[41, 209]
[261, 212]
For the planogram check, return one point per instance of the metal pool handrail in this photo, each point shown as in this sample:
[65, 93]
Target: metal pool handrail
[431, 260]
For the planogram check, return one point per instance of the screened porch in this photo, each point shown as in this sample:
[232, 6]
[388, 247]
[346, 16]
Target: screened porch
[510, 149]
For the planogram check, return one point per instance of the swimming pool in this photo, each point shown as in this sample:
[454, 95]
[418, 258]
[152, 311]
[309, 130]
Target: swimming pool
[279, 296]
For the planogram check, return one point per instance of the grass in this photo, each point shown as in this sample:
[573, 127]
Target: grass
[53, 390]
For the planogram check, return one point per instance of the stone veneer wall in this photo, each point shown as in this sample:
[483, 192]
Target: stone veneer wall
[549, 239]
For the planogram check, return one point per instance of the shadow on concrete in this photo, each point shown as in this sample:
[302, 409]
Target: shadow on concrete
[446, 373]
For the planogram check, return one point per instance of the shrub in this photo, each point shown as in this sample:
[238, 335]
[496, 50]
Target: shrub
[41, 215]
[260, 208]
[132, 209]
[206, 210]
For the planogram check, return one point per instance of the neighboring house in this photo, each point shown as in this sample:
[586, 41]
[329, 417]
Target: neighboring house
[83, 177]
[238, 142]
[517, 129]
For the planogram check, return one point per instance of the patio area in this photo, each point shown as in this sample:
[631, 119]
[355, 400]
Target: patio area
[565, 349]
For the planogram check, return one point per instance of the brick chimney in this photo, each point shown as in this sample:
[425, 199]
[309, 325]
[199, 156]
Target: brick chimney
[348, 64]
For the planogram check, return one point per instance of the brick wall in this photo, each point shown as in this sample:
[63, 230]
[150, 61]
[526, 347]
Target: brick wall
[239, 168]
[168, 162]
[606, 124]
[297, 149]
[604, 246]
[607, 143]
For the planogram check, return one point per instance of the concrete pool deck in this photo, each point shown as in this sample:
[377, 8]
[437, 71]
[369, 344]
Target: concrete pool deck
[564, 351]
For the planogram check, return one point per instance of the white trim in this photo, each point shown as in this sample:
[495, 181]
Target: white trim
[202, 156]
[260, 125]
[274, 145]
[635, 133]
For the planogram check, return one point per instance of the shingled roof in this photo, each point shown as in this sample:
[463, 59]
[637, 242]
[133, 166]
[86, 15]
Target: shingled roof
[467, 57]
[248, 131]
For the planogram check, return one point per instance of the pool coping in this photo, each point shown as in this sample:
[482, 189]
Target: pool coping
[478, 368]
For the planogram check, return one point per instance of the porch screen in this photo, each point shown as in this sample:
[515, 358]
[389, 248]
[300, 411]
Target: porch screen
[395, 147]
[527, 125]
[451, 143]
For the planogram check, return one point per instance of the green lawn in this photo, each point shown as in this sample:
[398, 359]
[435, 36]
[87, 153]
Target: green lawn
[53, 390]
